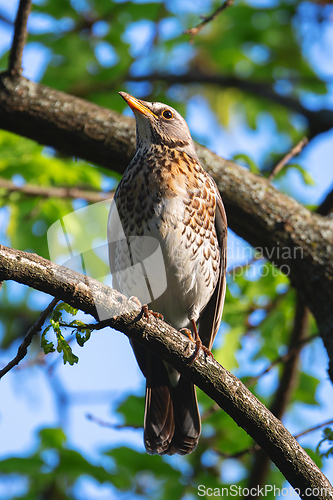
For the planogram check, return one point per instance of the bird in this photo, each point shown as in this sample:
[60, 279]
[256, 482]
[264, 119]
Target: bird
[167, 237]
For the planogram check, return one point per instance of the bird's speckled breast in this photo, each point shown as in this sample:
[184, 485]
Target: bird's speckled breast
[167, 195]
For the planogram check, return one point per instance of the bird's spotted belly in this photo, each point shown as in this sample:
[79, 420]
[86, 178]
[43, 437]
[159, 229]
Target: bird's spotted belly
[170, 210]
[191, 266]
[173, 268]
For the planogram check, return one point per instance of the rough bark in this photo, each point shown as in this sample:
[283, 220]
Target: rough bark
[293, 238]
[223, 387]
[73, 126]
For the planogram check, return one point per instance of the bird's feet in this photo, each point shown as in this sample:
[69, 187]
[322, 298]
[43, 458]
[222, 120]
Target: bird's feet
[198, 343]
[188, 333]
[147, 312]
[136, 301]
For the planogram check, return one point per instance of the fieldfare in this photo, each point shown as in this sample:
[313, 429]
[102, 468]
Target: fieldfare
[166, 198]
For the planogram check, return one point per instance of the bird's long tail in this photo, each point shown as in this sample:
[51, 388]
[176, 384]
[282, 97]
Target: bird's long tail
[172, 420]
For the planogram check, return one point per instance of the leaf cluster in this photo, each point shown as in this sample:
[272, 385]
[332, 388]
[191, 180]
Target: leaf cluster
[57, 323]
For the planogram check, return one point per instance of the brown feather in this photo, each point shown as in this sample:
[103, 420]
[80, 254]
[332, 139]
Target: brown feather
[210, 319]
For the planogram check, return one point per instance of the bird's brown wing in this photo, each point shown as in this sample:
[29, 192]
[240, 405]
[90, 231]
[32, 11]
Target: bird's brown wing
[211, 317]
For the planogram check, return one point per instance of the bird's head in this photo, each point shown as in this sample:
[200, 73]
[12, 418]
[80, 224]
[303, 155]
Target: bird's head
[159, 124]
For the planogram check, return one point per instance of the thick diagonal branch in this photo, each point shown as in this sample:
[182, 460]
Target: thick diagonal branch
[289, 373]
[224, 388]
[287, 382]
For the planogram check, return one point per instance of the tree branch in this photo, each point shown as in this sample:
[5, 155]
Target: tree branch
[294, 151]
[294, 239]
[55, 192]
[5, 19]
[73, 126]
[281, 359]
[315, 428]
[255, 447]
[103, 423]
[194, 31]
[287, 382]
[20, 34]
[319, 121]
[23, 349]
[288, 378]
[224, 388]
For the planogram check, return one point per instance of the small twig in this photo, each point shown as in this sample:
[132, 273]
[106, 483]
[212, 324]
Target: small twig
[282, 359]
[20, 34]
[238, 454]
[6, 19]
[194, 31]
[33, 330]
[295, 151]
[90, 326]
[313, 429]
[55, 192]
[256, 447]
[102, 423]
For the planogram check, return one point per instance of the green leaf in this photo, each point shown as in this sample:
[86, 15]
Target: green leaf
[65, 348]
[46, 345]
[56, 317]
[25, 466]
[66, 307]
[132, 410]
[132, 465]
[82, 339]
[306, 389]
[226, 354]
[308, 179]
[328, 436]
[52, 438]
[246, 160]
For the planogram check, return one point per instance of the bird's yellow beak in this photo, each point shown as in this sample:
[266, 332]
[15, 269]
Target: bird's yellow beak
[136, 105]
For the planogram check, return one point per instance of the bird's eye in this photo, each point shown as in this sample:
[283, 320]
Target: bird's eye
[167, 114]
